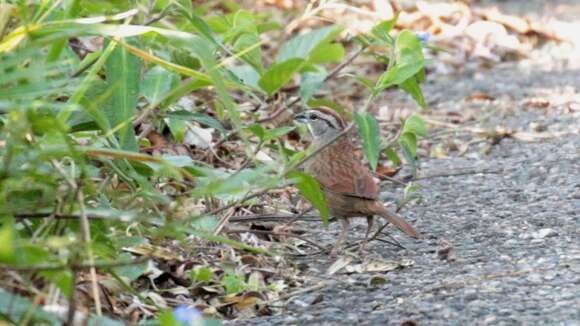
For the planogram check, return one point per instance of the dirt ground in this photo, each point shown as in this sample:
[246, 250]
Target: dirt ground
[500, 224]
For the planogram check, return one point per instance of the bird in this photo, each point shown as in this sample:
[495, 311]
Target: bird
[347, 183]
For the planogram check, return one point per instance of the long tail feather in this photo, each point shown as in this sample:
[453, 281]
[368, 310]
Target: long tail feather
[396, 220]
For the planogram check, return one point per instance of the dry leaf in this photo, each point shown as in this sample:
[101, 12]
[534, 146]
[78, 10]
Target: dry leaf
[198, 137]
[339, 264]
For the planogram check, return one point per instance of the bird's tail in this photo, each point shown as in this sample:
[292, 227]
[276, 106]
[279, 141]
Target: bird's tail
[396, 220]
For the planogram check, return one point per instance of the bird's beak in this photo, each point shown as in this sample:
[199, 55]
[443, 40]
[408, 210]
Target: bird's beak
[300, 117]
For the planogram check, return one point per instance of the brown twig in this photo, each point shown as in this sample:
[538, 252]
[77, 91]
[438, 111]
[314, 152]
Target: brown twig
[86, 236]
[72, 300]
[274, 217]
[59, 216]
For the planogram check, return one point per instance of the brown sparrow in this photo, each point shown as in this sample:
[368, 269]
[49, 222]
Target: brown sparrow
[348, 185]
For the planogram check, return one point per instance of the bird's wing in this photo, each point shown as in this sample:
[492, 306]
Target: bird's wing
[339, 171]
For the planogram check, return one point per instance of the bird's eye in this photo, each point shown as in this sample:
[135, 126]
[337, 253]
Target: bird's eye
[314, 117]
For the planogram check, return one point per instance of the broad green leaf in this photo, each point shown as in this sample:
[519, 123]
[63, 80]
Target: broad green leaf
[124, 75]
[243, 22]
[131, 272]
[233, 283]
[208, 61]
[411, 86]
[416, 125]
[7, 240]
[310, 83]
[201, 274]
[157, 82]
[276, 132]
[178, 128]
[202, 118]
[279, 74]
[249, 45]
[311, 190]
[368, 128]
[219, 23]
[330, 52]
[302, 45]
[409, 61]
[408, 143]
[257, 130]
[63, 279]
[268, 26]
[247, 75]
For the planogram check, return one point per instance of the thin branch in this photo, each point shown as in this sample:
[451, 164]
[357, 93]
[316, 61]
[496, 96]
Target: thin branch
[72, 300]
[238, 202]
[59, 216]
[86, 234]
[331, 75]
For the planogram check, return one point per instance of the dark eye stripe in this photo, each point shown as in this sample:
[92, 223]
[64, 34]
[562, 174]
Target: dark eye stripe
[330, 120]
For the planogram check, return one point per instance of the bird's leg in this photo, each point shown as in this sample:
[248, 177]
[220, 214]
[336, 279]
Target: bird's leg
[363, 244]
[345, 227]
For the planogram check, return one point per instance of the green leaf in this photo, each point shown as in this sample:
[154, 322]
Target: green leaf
[178, 128]
[131, 272]
[409, 61]
[416, 125]
[310, 83]
[331, 52]
[247, 75]
[382, 29]
[311, 190]
[302, 45]
[166, 318]
[157, 83]
[279, 74]
[276, 133]
[201, 274]
[7, 240]
[62, 279]
[208, 61]
[124, 76]
[368, 128]
[257, 130]
[202, 118]
[411, 86]
[408, 143]
[249, 44]
[232, 283]
[393, 157]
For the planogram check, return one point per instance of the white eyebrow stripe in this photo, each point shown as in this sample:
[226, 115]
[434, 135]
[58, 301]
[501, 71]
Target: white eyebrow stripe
[328, 118]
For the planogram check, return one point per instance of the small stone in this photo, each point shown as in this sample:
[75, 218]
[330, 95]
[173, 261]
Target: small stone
[545, 233]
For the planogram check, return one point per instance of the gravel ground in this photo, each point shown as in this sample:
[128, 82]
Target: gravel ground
[499, 247]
